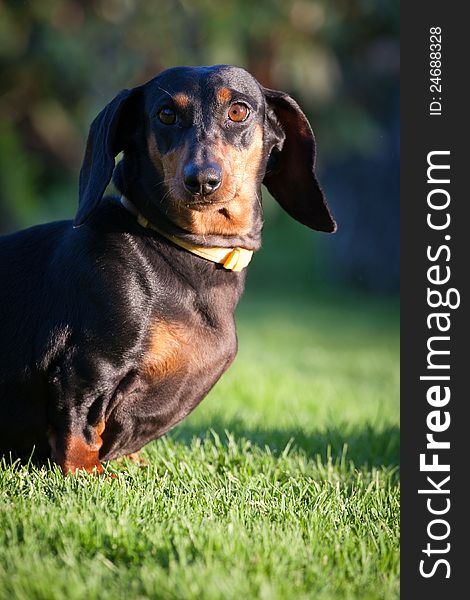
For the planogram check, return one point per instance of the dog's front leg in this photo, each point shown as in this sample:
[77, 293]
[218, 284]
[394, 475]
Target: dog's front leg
[77, 448]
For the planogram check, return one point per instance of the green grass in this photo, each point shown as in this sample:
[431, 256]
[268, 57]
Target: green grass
[282, 484]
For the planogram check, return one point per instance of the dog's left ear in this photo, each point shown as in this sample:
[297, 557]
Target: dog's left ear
[107, 137]
[290, 174]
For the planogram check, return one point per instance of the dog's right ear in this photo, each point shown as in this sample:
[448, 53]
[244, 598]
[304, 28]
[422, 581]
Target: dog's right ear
[107, 137]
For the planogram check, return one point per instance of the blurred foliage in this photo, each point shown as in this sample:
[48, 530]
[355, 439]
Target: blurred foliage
[62, 60]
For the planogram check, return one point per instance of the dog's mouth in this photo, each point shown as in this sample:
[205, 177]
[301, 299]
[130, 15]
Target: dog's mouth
[202, 203]
[226, 212]
[178, 198]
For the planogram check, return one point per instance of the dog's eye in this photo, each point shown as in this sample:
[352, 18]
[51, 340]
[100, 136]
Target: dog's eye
[167, 115]
[238, 112]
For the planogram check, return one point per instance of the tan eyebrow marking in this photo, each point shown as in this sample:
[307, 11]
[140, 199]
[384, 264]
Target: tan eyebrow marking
[181, 100]
[223, 95]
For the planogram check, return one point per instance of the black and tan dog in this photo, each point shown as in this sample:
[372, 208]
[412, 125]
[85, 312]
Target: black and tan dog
[113, 328]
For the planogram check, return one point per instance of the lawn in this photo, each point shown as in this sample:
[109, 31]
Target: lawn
[282, 484]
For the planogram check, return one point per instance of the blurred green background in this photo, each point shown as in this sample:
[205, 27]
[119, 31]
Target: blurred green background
[61, 61]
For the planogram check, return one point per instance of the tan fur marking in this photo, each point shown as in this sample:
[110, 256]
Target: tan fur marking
[223, 95]
[80, 455]
[168, 165]
[77, 454]
[134, 457]
[168, 350]
[172, 163]
[154, 153]
[99, 430]
[181, 100]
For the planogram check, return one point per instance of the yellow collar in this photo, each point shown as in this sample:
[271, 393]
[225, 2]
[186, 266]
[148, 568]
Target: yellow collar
[232, 259]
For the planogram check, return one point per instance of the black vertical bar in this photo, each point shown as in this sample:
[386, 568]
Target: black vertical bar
[422, 132]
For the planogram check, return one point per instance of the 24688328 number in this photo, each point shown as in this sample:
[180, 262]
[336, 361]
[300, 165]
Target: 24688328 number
[435, 57]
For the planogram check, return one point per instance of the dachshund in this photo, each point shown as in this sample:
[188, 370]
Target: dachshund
[115, 326]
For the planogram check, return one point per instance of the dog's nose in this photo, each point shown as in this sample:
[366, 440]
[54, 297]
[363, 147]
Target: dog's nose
[202, 180]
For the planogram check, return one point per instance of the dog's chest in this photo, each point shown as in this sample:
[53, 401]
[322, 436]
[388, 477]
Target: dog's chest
[170, 349]
[181, 363]
[181, 347]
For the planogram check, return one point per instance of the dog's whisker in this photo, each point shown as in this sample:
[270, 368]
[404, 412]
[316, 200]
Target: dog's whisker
[165, 91]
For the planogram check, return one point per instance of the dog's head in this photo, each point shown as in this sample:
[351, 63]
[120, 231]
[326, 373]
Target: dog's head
[198, 142]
